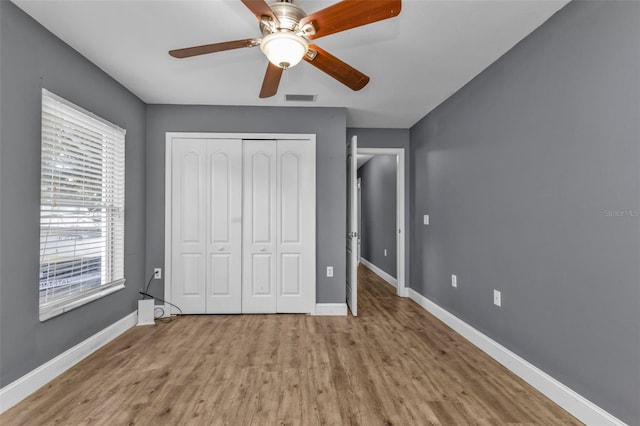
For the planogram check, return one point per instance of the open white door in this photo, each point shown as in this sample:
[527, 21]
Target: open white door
[352, 225]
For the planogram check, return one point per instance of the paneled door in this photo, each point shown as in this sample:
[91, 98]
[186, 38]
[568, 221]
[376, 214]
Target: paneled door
[189, 224]
[206, 225]
[295, 195]
[241, 218]
[259, 227]
[279, 226]
[224, 226]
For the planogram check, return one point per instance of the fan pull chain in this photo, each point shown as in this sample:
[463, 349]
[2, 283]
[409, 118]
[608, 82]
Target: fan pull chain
[286, 80]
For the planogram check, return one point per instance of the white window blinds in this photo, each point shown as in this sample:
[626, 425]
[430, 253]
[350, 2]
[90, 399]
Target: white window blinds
[81, 207]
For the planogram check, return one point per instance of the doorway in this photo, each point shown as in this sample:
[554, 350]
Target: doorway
[399, 155]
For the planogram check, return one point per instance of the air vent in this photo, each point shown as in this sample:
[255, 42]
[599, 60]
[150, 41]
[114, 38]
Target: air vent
[299, 98]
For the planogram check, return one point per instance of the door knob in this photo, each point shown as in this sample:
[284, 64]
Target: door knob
[263, 249]
[220, 248]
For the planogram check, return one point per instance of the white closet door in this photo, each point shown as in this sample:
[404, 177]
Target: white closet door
[224, 242]
[259, 227]
[189, 223]
[296, 229]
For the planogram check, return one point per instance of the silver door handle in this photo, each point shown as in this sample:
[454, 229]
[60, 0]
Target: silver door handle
[220, 248]
[263, 249]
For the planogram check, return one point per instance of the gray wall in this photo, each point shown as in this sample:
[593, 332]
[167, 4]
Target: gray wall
[329, 125]
[33, 58]
[391, 138]
[522, 172]
[378, 212]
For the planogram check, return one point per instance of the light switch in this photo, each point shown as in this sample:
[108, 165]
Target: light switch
[425, 219]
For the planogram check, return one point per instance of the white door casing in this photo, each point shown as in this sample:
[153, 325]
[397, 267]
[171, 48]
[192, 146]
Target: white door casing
[359, 183]
[352, 226]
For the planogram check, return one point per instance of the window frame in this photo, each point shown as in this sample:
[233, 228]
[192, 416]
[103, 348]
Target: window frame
[112, 202]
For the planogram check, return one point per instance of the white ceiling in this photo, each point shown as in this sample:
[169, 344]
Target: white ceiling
[415, 61]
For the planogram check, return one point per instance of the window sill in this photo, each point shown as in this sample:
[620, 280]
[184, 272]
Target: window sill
[59, 307]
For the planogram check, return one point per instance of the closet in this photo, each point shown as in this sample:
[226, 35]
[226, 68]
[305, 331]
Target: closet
[242, 224]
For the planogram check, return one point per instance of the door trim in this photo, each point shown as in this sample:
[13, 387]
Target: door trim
[359, 203]
[169, 136]
[399, 153]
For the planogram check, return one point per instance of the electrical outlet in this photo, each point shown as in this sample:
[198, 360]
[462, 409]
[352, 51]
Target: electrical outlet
[454, 281]
[425, 219]
[385, 252]
[497, 298]
[157, 273]
[329, 271]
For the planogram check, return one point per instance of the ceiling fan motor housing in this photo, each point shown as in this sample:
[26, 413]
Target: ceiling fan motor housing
[288, 14]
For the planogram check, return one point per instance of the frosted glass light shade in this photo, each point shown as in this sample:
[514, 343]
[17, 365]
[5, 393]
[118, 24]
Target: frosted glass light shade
[284, 49]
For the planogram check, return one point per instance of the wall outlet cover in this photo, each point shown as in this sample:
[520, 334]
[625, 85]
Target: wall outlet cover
[497, 298]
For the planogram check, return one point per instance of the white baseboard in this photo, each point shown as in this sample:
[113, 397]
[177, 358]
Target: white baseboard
[580, 407]
[18, 390]
[331, 309]
[379, 272]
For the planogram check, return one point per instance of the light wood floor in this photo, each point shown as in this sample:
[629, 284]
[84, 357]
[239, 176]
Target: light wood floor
[393, 365]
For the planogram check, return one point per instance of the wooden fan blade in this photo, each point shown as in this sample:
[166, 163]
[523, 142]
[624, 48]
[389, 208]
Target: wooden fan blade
[271, 81]
[260, 8]
[350, 14]
[337, 69]
[187, 52]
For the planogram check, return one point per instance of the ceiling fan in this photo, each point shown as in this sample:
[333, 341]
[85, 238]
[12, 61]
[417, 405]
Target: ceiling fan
[287, 29]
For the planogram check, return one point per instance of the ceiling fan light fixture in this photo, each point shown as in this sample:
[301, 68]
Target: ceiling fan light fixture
[284, 49]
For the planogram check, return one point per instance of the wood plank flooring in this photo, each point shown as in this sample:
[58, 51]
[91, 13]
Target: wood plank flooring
[395, 364]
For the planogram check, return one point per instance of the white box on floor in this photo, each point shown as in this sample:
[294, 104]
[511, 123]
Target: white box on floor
[145, 312]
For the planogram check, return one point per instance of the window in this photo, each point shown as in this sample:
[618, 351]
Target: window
[81, 207]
